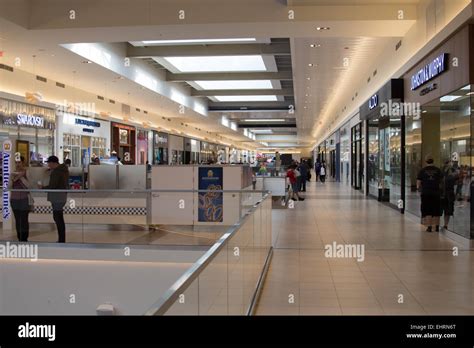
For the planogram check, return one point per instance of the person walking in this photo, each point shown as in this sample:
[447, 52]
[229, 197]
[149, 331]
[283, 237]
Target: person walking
[429, 183]
[322, 172]
[292, 177]
[448, 195]
[317, 170]
[304, 170]
[59, 180]
[20, 201]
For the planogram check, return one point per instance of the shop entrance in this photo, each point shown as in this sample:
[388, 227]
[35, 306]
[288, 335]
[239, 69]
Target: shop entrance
[443, 130]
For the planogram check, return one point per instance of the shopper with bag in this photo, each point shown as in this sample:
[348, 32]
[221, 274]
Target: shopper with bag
[21, 202]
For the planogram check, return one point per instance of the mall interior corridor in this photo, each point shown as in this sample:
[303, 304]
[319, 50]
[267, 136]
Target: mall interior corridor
[405, 270]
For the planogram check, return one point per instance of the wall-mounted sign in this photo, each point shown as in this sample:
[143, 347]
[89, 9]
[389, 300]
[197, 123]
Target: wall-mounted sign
[373, 101]
[6, 154]
[428, 89]
[87, 123]
[30, 120]
[87, 130]
[429, 71]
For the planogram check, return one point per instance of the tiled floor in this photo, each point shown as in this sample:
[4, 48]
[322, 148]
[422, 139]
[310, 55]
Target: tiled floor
[75, 233]
[405, 270]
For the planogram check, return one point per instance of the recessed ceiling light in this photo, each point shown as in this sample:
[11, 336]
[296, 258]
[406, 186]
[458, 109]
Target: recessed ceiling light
[314, 45]
[86, 62]
[322, 28]
[311, 64]
[264, 120]
[308, 78]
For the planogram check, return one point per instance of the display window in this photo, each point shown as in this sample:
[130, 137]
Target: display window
[31, 129]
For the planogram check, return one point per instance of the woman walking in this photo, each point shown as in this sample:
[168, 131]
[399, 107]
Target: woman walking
[20, 201]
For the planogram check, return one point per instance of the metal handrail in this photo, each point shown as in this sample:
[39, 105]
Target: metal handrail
[161, 306]
[132, 191]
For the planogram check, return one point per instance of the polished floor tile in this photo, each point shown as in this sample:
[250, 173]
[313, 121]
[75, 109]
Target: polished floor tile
[404, 270]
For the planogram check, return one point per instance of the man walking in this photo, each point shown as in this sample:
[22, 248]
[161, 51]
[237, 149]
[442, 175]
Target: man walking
[59, 180]
[304, 170]
[428, 182]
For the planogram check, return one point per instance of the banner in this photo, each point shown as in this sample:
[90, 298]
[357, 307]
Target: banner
[6, 153]
[210, 203]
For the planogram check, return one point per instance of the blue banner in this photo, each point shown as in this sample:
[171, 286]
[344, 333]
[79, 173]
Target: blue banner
[210, 203]
[6, 179]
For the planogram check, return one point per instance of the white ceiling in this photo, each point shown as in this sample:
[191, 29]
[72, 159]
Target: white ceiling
[365, 40]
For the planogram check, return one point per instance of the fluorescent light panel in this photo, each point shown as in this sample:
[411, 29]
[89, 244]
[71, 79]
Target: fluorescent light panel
[262, 131]
[235, 84]
[217, 63]
[231, 98]
[264, 120]
[198, 41]
[449, 98]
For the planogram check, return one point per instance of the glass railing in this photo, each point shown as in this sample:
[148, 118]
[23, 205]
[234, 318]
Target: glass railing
[226, 279]
[142, 217]
[120, 256]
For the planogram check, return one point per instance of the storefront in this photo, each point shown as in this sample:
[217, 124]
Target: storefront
[30, 128]
[345, 153]
[176, 147]
[142, 146]
[332, 156]
[383, 116]
[124, 142]
[208, 153]
[82, 138]
[441, 85]
[191, 151]
[358, 156]
[160, 148]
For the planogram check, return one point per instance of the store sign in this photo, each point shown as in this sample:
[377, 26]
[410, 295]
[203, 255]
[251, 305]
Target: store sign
[430, 71]
[89, 123]
[87, 130]
[373, 101]
[6, 155]
[30, 120]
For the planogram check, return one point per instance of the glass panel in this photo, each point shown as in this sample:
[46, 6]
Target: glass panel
[412, 162]
[373, 160]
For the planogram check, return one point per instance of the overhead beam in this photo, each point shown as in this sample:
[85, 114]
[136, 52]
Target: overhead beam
[221, 92]
[208, 50]
[282, 75]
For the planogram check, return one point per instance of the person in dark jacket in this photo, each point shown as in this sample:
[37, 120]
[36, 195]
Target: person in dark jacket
[317, 170]
[59, 180]
[304, 170]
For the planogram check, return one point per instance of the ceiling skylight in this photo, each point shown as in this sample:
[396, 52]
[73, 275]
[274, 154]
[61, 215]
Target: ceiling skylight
[217, 63]
[231, 98]
[235, 84]
[197, 41]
